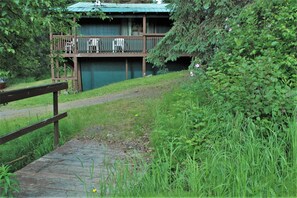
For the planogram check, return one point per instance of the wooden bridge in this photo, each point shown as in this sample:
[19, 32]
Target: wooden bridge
[72, 170]
[67, 171]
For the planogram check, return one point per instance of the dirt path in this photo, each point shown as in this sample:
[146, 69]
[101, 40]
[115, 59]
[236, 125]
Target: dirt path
[36, 111]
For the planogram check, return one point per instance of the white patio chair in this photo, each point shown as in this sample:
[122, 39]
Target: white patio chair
[69, 47]
[93, 45]
[118, 43]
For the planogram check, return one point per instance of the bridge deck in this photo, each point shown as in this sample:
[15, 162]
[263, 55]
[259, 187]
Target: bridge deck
[56, 174]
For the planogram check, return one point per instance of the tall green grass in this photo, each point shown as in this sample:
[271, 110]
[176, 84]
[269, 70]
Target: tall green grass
[203, 150]
[23, 150]
[239, 165]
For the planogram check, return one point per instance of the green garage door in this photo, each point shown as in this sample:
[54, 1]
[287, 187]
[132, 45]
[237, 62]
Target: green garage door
[97, 72]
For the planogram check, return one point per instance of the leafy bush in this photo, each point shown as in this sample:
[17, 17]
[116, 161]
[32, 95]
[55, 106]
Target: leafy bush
[4, 75]
[255, 72]
[199, 29]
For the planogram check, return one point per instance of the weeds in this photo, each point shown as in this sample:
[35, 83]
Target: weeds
[202, 150]
[8, 182]
[236, 165]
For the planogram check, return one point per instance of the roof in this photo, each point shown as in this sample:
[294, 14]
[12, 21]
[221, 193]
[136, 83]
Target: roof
[119, 8]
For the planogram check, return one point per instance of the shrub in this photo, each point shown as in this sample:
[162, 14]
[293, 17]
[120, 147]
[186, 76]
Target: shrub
[255, 72]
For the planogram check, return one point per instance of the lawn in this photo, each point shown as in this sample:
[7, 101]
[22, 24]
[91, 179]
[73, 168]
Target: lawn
[65, 96]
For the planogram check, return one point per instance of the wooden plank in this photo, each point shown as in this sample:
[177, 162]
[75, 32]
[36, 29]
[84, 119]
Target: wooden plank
[56, 123]
[75, 66]
[51, 54]
[54, 175]
[63, 79]
[154, 34]
[143, 33]
[33, 127]
[14, 95]
[57, 68]
[143, 67]
[79, 77]
[134, 54]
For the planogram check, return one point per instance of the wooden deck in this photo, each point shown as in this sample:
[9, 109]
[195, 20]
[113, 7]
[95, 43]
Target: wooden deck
[56, 174]
[104, 46]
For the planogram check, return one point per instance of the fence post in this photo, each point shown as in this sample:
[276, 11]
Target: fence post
[56, 124]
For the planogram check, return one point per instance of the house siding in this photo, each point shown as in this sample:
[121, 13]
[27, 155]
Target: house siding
[98, 27]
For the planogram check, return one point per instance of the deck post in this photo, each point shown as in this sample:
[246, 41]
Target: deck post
[75, 74]
[79, 78]
[56, 123]
[75, 37]
[143, 67]
[51, 54]
[126, 69]
[144, 34]
[57, 71]
[144, 45]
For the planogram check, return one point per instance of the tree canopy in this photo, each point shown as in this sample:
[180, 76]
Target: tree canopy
[246, 50]
[24, 33]
[198, 30]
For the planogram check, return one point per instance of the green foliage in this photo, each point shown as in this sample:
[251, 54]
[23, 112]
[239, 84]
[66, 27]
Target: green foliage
[255, 70]
[216, 153]
[248, 54]
[202, 150]
[199, 29]
[8, 182]
[4, 75]
[24, 34]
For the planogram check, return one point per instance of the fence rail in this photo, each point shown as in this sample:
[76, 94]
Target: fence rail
[20, 94]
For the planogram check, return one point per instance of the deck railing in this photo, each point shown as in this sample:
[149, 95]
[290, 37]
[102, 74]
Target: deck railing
[105, 44]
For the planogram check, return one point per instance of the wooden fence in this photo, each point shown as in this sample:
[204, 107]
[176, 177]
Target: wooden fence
[20, 94]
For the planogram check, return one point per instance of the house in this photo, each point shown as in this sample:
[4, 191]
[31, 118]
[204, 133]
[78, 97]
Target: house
[100, 52]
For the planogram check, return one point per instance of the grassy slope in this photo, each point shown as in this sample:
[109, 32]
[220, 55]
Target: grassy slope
[121, 120]
[142, 83]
